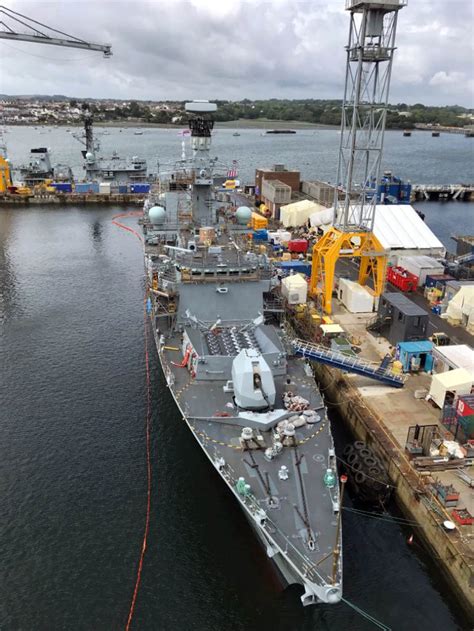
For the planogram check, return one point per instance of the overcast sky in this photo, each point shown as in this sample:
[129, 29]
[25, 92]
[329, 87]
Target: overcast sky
[233, 49]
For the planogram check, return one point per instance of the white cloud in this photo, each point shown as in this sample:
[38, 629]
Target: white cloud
[449, 79]
[234, 49]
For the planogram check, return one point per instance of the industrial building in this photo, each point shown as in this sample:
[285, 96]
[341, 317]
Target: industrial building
[274, 194]
[277, 172]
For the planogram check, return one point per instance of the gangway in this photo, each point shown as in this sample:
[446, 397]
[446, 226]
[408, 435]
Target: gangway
[364, 367]
[465, 258]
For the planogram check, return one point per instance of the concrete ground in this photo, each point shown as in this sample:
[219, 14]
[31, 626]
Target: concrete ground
[398, 408]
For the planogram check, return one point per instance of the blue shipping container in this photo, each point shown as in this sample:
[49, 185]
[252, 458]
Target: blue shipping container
[260, 235]
[295, 266]
[63, 187]
[83, 187]
[94, 187]
[434, 279]
[139, 188]
[123, 188]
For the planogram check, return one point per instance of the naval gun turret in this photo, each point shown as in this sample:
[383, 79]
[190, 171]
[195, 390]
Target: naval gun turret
[254, 387]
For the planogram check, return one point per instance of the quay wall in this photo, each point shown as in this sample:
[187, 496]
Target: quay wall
[452, 554]
[72, 198]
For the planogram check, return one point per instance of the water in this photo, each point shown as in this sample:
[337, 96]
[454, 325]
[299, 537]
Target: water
[73, 474]
[419, 158]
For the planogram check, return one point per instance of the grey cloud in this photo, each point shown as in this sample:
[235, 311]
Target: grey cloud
[174, 49]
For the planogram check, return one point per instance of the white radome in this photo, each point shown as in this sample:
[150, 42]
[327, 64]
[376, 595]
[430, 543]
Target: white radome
[157, 215]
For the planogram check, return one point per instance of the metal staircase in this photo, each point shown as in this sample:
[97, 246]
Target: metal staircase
[318, 353]
[378, 323]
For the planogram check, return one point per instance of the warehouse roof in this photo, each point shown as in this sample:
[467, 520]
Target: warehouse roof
[399, 226]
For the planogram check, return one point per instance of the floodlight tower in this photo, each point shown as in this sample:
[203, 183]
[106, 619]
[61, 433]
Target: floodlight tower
[370, 52]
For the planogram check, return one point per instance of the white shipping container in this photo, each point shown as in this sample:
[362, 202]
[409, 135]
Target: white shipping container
[295, 289]
[421, 266]
[354, 297]
[280, 236]
[104, 188]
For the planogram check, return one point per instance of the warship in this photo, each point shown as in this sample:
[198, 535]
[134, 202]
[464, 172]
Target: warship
[115, 169]
[40, 169]
[250, 402]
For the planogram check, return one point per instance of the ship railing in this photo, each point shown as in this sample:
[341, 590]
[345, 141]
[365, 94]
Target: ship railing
[299, 560]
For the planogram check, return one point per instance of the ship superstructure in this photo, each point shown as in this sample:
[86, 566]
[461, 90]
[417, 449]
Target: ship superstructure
[251, 404]
[115, 169]
[40, 169]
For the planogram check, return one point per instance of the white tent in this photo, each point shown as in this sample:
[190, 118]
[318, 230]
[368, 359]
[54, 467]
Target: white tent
[457, 381]
[298, 213]
[322, 217]
[401, 230]
[461, 307]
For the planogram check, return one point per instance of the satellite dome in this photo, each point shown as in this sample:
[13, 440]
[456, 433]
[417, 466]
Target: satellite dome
[157, 215]
[89, 156]
[243, 214]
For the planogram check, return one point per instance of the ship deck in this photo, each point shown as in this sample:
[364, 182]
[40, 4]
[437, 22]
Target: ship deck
[301, 520]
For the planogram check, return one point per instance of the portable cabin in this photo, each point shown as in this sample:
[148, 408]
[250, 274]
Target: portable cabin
[401, 319]
[416, 356]
[354, 297]
[447, 385]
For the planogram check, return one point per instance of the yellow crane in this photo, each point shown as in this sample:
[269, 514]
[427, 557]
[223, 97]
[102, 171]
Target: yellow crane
[5, 175]
[370, 52]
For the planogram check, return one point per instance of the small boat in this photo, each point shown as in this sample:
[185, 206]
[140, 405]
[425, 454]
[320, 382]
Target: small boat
[236, 133]
[138, 133]
[407, 132]
[435, 134]
[280, 131]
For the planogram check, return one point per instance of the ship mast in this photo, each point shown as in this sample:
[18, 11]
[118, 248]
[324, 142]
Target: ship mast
[201, 127]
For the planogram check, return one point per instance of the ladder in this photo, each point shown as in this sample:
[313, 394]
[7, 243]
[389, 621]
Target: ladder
[364, 367]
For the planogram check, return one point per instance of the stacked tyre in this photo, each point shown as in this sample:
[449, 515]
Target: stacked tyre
[366, 473]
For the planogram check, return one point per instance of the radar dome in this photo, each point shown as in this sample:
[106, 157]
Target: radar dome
[243, 214]
[157, 215]
[89, 156]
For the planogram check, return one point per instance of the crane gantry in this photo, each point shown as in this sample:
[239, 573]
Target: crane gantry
[37, 33]
[370, 52]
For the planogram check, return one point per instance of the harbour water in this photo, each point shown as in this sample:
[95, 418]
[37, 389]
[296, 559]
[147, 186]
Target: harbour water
[420, 158]
[73, 471]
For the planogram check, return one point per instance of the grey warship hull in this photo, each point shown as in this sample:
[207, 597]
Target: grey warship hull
[251, 404]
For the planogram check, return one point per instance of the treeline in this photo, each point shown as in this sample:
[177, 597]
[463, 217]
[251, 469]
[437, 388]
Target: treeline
[322, 112]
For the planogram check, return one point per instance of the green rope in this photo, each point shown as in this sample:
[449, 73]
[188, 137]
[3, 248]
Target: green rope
[367, 616]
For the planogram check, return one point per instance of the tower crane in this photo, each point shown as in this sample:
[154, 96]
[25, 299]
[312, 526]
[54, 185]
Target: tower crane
[37, 33]
[370, 52]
